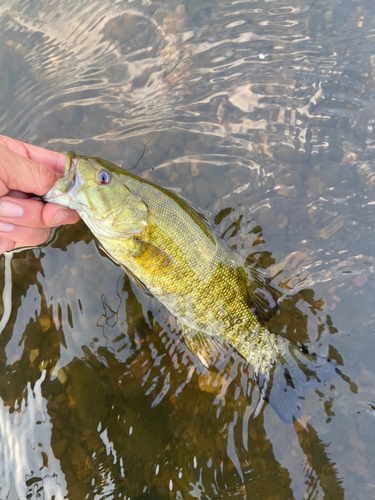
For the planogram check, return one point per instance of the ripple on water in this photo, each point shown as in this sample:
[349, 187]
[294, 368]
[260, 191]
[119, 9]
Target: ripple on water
[260, 114]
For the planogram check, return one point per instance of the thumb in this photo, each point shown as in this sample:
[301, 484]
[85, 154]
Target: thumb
[22, 174]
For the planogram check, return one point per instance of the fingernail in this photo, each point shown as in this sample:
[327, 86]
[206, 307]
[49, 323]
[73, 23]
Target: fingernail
[6, 227]
[10, 209]
[61, 215]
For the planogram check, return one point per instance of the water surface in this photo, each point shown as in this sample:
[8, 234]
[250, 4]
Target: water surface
[259, 113]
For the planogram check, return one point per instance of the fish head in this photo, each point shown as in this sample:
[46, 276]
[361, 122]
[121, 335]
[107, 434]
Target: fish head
[98, 191]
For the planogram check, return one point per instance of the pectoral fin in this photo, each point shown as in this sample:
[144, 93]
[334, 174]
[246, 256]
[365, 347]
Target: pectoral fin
[138, 282]
[153, 253]
[152, 256]
[209, 349]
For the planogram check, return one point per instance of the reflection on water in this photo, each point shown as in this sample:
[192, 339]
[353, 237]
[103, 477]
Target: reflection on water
[260, 113]
[133, 410]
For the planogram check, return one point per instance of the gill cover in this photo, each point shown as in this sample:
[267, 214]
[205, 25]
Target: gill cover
[96, 189]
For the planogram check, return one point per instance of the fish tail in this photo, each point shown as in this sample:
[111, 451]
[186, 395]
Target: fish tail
[294, 371]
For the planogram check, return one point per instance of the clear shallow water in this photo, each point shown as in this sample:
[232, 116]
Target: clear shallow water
[259, 113]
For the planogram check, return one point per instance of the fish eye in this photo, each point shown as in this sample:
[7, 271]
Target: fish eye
[104, 177]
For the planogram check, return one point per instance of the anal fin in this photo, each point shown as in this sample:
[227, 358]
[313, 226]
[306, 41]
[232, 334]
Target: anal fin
[209, 349]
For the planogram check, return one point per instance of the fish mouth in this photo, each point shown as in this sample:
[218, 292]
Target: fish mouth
[65, 189]
[70, 161]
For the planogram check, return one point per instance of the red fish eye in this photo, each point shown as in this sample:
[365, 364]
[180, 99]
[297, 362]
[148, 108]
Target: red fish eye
[104, 177]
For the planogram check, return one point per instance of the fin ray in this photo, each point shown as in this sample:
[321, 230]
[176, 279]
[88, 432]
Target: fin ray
[294, 371]
[138, 282]
[262, 296]
[209, 349]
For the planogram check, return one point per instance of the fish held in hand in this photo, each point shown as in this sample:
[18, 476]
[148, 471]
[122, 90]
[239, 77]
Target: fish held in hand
[171, 251]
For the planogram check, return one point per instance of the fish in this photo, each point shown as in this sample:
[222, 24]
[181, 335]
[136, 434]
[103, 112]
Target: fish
[172, 252]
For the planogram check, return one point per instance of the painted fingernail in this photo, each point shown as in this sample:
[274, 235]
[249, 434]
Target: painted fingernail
[10, 209]
[6, 227]
[61, 215]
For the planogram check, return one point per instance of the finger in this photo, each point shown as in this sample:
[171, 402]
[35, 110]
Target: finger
[23, 236]
[52, 159]
[23, 174]
[19, 194]
[34, 213]
[54, 215]
[6, 245]
[22, 212]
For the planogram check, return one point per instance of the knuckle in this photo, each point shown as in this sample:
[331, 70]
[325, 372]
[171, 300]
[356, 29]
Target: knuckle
[47, 178]
[42, 178]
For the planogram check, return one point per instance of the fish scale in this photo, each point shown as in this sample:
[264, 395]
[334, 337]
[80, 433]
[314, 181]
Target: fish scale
[172, 252]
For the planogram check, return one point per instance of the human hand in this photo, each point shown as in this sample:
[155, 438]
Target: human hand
[27, 170]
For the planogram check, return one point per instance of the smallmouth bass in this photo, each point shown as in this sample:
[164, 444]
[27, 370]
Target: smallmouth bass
[171, 251]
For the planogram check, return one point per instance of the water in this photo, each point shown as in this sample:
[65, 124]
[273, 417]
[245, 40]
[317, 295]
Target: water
[260, 114]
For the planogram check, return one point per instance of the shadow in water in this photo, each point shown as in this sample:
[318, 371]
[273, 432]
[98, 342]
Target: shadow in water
[137, 414]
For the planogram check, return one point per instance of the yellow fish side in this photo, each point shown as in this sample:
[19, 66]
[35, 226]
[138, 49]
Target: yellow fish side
[172, 252]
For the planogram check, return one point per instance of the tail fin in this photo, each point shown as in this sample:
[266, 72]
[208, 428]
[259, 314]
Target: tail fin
[294, 372]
